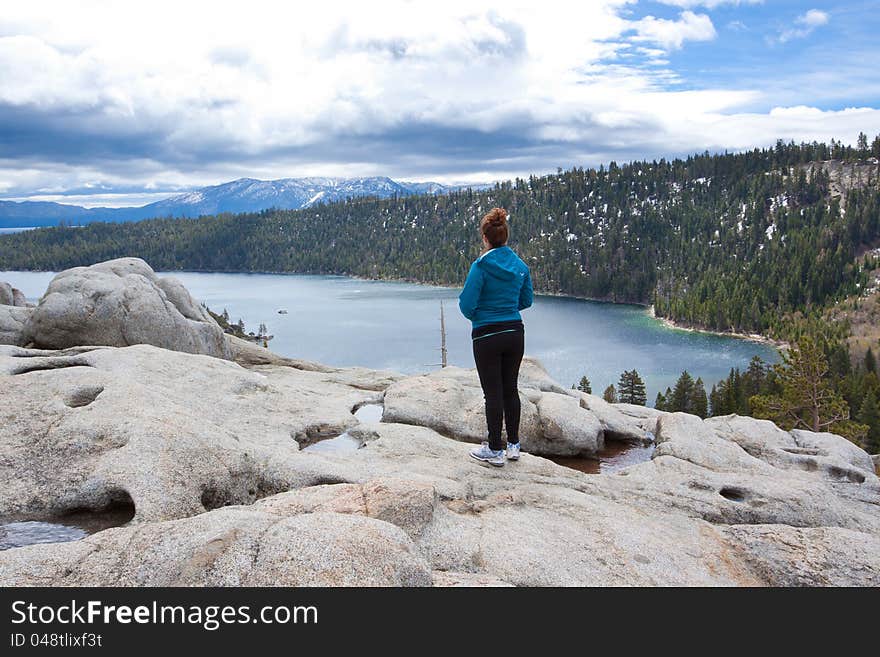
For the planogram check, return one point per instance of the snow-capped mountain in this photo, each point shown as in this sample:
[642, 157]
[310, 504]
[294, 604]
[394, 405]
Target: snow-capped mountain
[249, 195]
[243, 195]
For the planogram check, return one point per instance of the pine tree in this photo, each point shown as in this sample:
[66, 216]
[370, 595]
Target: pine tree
[716, 404]
[698, 402]
[631, 388]
[808, 400]
[753, 379]
[660, 402]
[610, 394]
[584, 386]
[682, 393]
[869, 415]
[735, 400]
[870, 361]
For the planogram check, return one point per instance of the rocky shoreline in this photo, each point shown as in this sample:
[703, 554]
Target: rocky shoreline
[781, 345]
[199, 446]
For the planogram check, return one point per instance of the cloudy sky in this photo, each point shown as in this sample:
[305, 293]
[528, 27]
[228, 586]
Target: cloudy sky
[116, 103]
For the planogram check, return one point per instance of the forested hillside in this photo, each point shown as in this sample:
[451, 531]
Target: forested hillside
[729, 241]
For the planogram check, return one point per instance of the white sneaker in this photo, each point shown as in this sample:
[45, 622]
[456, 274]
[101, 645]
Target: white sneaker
[491, 456]
[513, 451]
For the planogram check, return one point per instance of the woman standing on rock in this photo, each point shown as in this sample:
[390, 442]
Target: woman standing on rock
[498, 286]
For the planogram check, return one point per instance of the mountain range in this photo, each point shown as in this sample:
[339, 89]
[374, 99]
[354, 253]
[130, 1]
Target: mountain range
[242, 195]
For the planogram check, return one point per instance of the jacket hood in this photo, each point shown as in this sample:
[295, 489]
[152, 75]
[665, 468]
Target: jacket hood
[500, 262]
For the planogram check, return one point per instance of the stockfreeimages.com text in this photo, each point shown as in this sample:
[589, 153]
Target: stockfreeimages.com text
[211, 617]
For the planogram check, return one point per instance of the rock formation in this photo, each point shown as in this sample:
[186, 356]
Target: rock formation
[120, 303]
[450, 401]
[12, 322]
[14, 314]
[10, 296]
[208, 455]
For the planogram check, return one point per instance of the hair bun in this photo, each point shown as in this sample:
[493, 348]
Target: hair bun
[494, 226]
[497, 217]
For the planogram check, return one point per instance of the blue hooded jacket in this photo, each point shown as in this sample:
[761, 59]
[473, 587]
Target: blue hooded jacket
[498, 286]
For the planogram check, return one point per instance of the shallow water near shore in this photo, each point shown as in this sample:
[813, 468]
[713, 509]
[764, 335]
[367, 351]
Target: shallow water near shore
[389, 325]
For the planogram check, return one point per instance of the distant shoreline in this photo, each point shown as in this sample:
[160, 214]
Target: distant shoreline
[779, 345]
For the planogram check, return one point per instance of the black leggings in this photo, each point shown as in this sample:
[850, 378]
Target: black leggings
[498, 358]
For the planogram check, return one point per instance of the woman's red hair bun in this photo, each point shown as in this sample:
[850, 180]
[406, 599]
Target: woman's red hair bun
[494, 226]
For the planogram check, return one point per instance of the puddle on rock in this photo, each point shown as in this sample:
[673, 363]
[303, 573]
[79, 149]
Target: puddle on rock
[614, 457]
[342, 443]
[346, 442]
[370, 413]
[30, 532]
[60, 530]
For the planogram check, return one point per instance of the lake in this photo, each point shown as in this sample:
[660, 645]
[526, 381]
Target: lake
[388, 325]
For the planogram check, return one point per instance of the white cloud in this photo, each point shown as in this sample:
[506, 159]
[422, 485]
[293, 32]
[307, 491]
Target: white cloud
[800, 123]
[110, 200]
[804, 25]
[708, 4]
[103, 96]
[813, 18]
[671, 34]
[324, 67]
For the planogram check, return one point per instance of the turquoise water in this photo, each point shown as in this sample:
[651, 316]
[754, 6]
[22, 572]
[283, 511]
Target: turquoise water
[388, 325]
